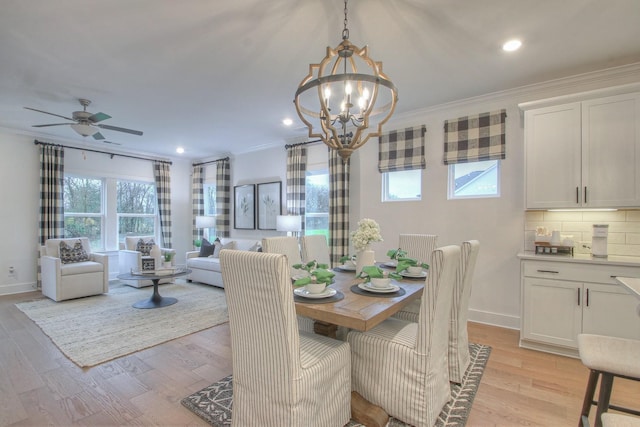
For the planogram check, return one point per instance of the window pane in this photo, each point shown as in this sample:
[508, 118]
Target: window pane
[82, 195]
[209, 199]
[317, 202]
[402, 185]
[83, 226]
[136, 197]
[135, 226]
[474, 179]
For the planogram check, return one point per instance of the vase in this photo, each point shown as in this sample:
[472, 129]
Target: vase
[364, 258]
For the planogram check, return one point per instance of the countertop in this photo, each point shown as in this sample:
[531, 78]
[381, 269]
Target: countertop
[630, 261]
[632, 284]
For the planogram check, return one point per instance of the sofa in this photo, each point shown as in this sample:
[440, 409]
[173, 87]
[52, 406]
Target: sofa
[206, 269]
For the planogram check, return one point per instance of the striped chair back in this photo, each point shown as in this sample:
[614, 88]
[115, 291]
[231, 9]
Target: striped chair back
[286, 245]
[315, 247]
[264, 331]
[458, 339]
[418, 246]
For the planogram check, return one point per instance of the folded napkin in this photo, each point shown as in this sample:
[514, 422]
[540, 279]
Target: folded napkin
[321, 275]
[373, 271]
[404, 263]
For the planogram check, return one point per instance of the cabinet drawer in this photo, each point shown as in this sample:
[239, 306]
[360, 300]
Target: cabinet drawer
[578, 272]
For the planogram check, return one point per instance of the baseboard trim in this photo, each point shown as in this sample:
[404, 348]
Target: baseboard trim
[495, 319]
[17, 288]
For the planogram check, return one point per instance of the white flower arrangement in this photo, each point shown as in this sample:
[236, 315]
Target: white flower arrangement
[368, 232]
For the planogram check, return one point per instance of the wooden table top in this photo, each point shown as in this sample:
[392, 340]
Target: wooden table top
[360, 312]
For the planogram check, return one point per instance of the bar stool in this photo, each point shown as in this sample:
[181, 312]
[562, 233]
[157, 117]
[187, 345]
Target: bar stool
[607, 357]
[618, 420]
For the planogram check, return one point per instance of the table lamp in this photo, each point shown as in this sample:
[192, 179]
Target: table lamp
[206, 222]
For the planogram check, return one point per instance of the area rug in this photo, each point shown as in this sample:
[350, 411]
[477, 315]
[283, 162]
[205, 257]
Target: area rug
[93, 330]
[213, 403]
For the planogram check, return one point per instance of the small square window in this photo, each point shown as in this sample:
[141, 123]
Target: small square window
[402, 185]
[474, 179]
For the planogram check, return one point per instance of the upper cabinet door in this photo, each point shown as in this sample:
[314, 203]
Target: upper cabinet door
[611, 151]
[553, 157]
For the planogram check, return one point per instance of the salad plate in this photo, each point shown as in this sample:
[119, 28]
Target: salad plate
[390, 264]
[367, 287]
[302, 292]
[345, 267]
[420, 275]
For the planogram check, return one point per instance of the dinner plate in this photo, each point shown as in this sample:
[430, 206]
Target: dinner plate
[367, 287]
[346, 267]
[405, 273]
[302, 292]
[390, 264]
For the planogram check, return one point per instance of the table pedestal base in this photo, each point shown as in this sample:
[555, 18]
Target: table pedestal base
[156, 300]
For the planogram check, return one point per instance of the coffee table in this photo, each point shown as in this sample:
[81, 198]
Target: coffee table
[156, 300]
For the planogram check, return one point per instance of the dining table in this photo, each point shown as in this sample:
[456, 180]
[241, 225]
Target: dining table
[355, 307]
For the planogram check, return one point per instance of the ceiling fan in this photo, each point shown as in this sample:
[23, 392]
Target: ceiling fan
[86, 123]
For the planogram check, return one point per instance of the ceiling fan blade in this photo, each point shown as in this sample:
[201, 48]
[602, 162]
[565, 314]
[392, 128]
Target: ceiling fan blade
[53, 124]
[134, 132]
[98, 135]
[98, 117]
[46, 112]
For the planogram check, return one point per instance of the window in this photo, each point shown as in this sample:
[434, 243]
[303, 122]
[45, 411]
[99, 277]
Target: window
[209, 190]
[83, 209]
[136, 208]
[402, 185]
[317, 202]
[474, 179]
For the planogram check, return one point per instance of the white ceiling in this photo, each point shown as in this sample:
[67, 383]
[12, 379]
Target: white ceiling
[218, 77]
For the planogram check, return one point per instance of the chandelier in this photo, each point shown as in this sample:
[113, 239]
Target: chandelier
[365, 101]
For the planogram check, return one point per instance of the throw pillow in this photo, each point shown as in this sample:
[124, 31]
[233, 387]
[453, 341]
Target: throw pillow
[145, 247]
[73, 254]
[217, 246]
[206, 249]
[256, 247]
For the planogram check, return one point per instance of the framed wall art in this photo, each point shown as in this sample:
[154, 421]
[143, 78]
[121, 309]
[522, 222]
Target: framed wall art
[268, 204]
[244, 208]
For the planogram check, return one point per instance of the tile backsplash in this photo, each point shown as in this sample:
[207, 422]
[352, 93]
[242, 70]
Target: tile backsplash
[624, 229]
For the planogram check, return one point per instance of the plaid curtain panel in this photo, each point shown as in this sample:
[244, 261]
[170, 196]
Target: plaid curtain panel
[223, 197]
[401, 150]
[51, 222]
[197, 199]
[162, 174]
[475, 138]
[338, 206]
[296, 181]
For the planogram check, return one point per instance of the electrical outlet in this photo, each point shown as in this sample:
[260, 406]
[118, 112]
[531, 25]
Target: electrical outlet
[12, 271]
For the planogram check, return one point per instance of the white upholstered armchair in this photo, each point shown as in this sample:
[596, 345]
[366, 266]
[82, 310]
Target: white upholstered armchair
[70, 270]
[130, 257]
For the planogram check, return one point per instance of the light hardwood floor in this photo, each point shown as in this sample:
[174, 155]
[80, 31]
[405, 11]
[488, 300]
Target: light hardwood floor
[40, 386]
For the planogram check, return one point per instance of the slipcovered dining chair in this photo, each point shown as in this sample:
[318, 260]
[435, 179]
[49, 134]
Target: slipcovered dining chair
[281, 376]
[70, 270]
[418, 246]
[459, 357]
[315, 248]
[288, 245]
[401, 366]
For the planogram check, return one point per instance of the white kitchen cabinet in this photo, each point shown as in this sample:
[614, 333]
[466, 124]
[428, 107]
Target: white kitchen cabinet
[584, 153]
[563, 299]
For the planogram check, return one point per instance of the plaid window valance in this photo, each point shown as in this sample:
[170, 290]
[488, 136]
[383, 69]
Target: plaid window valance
[401, 150]
[475, 138]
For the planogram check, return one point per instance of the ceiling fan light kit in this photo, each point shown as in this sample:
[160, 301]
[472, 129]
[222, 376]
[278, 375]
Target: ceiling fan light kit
[86, 123]
[365, 101]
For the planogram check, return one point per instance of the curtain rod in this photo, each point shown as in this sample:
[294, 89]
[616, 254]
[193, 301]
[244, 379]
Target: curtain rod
[36, 142]
[211, 161]
[301, 143]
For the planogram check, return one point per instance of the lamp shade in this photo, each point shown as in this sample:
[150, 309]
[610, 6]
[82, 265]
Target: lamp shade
[205, 221]
[288, 222]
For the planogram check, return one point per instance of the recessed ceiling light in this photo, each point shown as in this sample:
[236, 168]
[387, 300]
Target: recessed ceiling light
[512, 45]
[287, 122]
[179, 150]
